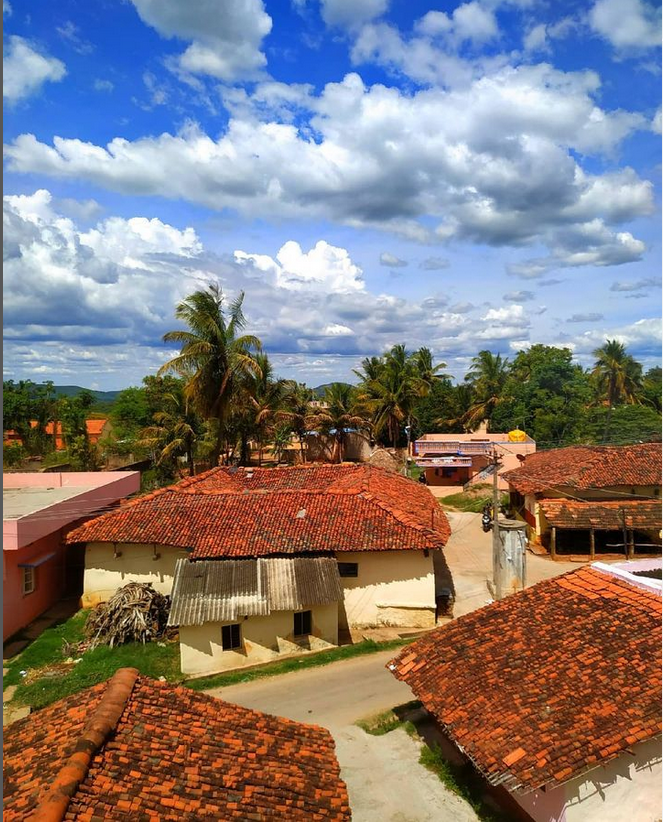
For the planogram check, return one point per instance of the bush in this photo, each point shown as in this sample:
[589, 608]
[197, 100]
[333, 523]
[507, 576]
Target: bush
[13, 454]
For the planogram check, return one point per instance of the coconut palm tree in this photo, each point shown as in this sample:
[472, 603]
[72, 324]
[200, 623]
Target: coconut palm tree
[487, 376]
[172, 435]
[296, 410]
[213, 355]
[617, 377]
[342, 413]
[266, 398]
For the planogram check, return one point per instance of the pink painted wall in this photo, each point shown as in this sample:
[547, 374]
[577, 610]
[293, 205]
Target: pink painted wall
[36, 534]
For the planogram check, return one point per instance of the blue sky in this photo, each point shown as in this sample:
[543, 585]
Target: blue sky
[458, 175]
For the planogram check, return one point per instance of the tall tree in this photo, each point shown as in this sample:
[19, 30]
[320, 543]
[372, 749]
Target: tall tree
[214, 355]
[487, 376]
[297, 410]
[172, 435]
[618, 378]
[341, 414]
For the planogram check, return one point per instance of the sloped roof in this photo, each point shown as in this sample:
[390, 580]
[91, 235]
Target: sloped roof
[548, 683]
[223, 591]
[263, 512]
[134, 748]
[587, 467]
[606, 516]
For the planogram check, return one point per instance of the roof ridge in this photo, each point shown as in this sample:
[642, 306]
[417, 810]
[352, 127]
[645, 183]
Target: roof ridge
[99, 726]
[401, 516]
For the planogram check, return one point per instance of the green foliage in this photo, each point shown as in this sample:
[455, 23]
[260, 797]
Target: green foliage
[462, 780]
[629, 424]
[26, 402]
[13, 454]
[474, 500]
[652, 388]
[131, 413]
[545, 395]
[387, 721]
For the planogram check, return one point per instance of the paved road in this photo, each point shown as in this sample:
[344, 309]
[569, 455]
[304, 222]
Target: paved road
[385, 781]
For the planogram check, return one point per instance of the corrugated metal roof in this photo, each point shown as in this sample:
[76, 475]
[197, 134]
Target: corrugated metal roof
[224, 590]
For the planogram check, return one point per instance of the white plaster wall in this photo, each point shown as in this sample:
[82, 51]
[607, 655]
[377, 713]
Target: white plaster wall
[626, 788]
[104, 573]
[264, 638]
[392, 588]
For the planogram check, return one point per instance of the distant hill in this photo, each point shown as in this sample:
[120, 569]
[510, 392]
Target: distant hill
[72, 390]
[319, 391]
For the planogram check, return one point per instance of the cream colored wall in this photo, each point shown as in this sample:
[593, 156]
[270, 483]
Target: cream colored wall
[104, 573]
[265, 638]
[628, 787]
[393, 588]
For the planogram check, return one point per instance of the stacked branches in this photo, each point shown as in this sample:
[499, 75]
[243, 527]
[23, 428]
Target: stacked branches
[135, 613]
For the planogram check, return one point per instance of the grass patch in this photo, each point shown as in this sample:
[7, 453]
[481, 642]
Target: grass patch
[49, 678]
[47, 649]
[368, 646]
[387, 721]
[474, 500]
[462, 780]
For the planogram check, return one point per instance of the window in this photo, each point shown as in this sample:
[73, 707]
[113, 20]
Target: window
[29, 581]
[348, 569]
[303, 623]
[231, 637]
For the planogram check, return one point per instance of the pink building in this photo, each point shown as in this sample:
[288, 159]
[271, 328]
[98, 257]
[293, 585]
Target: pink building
[452, 462]
[38, 510]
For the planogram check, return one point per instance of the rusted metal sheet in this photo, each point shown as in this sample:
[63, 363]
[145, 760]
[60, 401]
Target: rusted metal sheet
[225, 590]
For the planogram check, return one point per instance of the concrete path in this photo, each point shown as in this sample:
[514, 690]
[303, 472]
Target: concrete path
[385, 781]
[469, 558]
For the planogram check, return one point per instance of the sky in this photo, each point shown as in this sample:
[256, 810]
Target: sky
[464, 176]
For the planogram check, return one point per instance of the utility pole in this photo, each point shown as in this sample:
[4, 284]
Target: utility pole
[497, 546]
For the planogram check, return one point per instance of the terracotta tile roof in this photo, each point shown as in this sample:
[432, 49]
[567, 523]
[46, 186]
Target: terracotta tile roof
[588, 466]
[548, 683]
[608, 516]
[363, 509]
[134, 748]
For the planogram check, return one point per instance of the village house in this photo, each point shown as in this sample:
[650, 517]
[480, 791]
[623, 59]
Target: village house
[97, 430]
[455, 462]
[135, 748]
[591, 499]
[38, 510]
[263, 563]
[554, 694]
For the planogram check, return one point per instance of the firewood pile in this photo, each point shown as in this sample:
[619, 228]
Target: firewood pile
[135, 613]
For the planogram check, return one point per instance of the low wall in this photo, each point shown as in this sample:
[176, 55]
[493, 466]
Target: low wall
[264, 639]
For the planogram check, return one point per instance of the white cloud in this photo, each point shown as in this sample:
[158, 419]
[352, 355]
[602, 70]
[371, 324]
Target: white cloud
[351, 13]
[642, 338]
[656, 122]
[325, 268]
[511, 314]
[226, 37]
[491, 162]
[519, 296]
[25, 70]
[639, 285]
[6, 8]
[391, 261]
[103, 85]
[588, 317]
[434, 263]
[627, 24]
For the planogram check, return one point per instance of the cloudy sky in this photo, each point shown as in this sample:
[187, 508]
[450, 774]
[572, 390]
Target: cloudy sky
[465, 176]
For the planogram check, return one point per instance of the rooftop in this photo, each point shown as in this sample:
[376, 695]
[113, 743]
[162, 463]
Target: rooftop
[262, 512]
[134, 748]
[608, 516]
[21, 502]
[588, 467]
[550, 682]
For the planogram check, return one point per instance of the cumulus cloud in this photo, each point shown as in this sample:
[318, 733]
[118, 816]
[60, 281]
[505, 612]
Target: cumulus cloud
[6, 8]
[627, 24]
[25, 69]
[493, 163]
[519, 296]
[97, 300]
[324, 268]
[351, 13]
[226, 38]
[391, 261]
[638, 285]
[642, 338]
[103, 85]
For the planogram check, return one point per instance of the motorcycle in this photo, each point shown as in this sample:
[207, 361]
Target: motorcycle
[486, 521]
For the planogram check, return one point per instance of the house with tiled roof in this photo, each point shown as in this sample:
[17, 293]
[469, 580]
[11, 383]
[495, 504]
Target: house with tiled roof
[266, 562]
[554, 694]
[135, 748]
[599, 499]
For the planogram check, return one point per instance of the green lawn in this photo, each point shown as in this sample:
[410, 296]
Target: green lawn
[48, 677]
